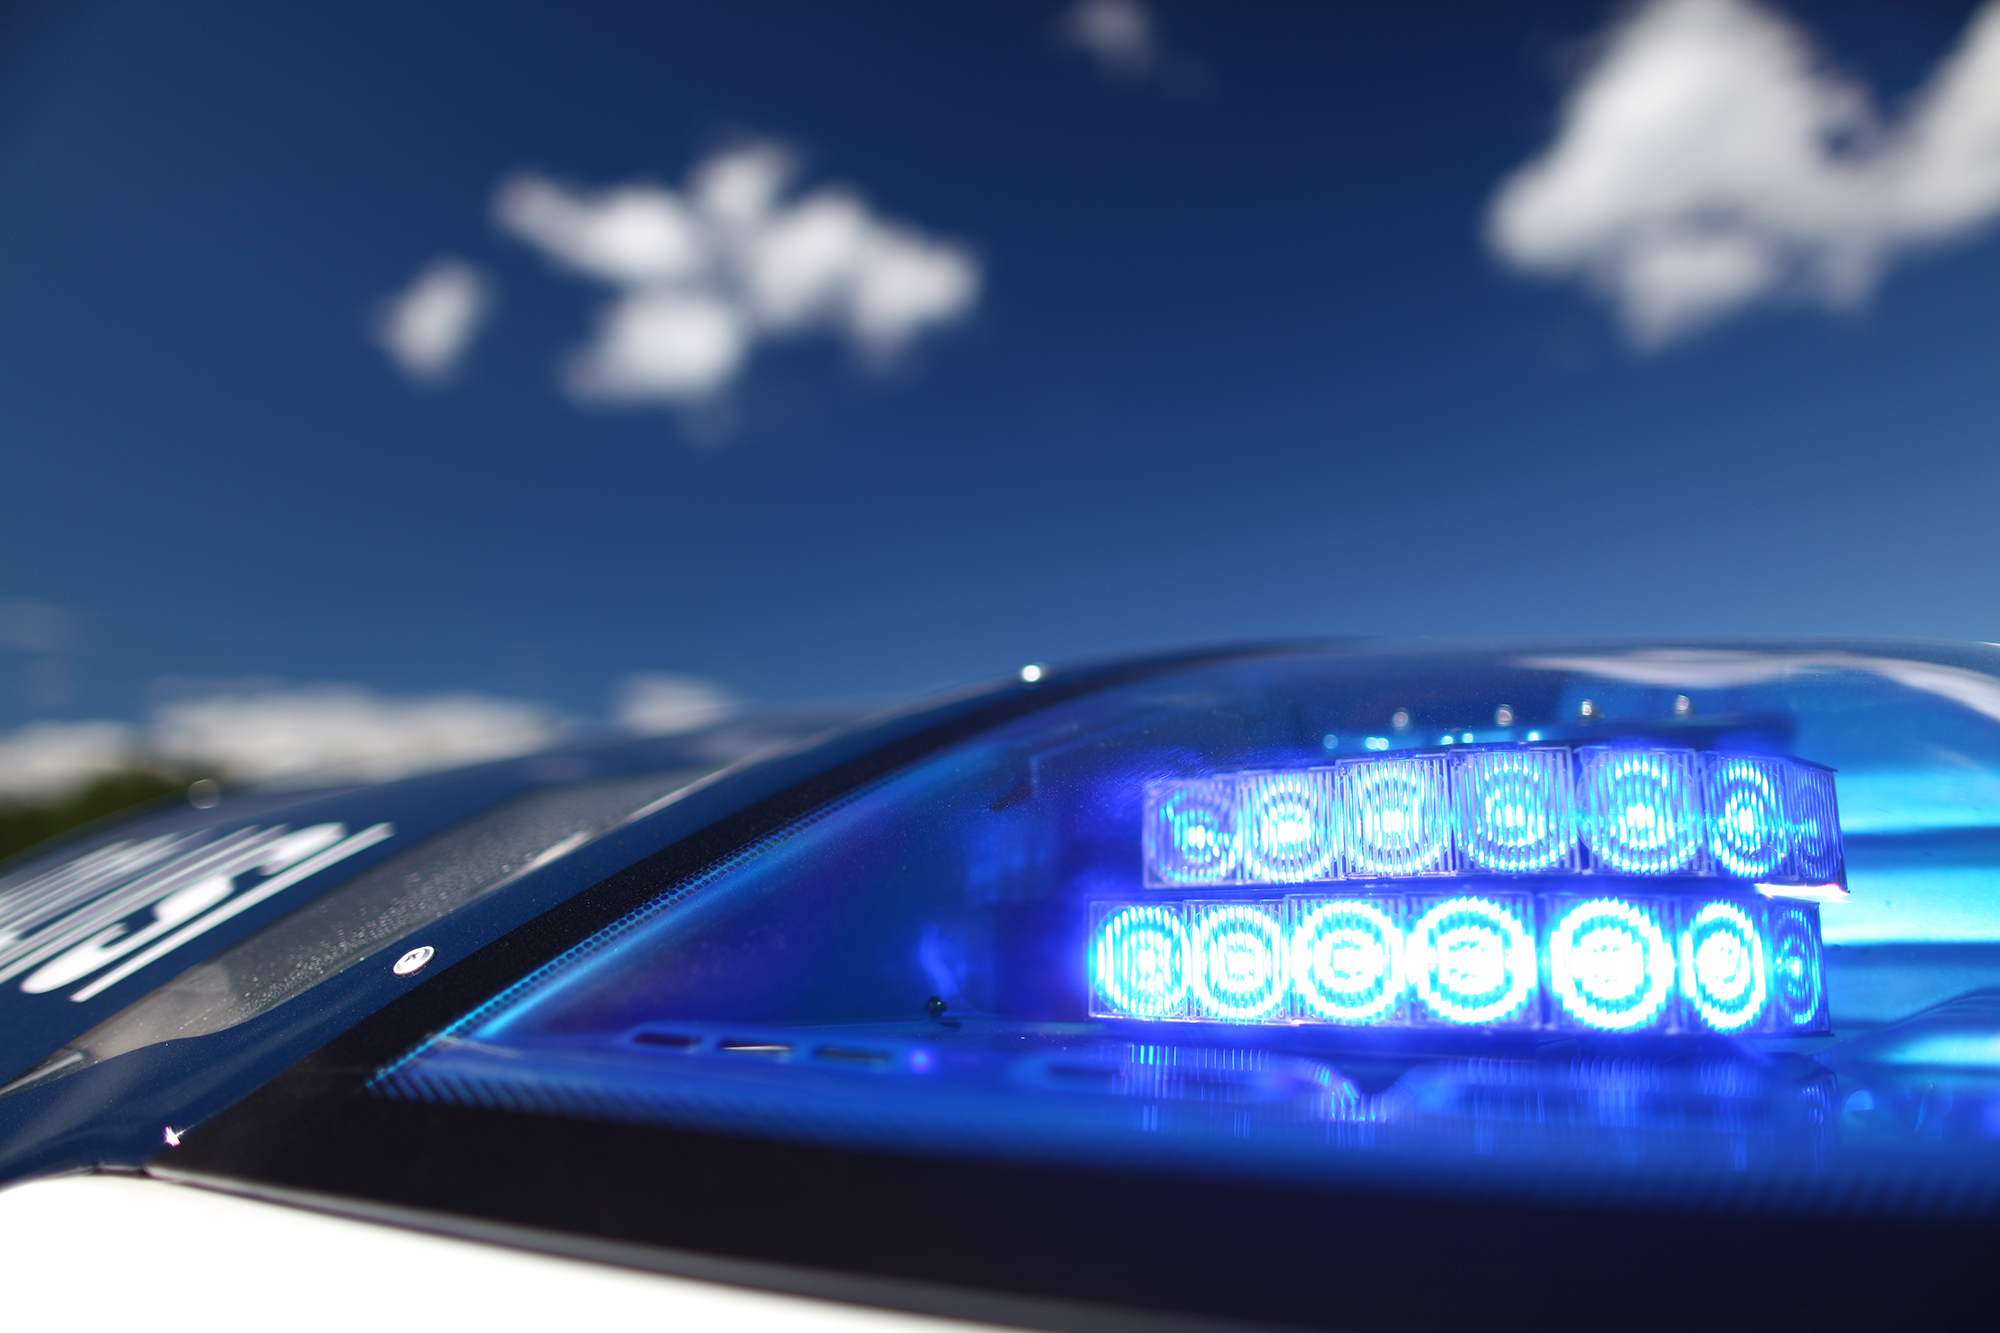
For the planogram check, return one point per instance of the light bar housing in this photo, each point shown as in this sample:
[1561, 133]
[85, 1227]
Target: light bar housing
[1467, 955]
[1611, 888]
[1502, 810]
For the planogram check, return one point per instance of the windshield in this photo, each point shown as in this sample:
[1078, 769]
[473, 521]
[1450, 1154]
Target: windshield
[991, 953]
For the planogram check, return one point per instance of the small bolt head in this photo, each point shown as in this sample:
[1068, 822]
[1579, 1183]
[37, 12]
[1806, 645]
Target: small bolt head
[1588, 709]
[1400, 718]
[1503, 716]
[413, 962]
[1682, 705]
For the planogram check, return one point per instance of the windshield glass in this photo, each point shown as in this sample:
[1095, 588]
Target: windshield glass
[969, 956]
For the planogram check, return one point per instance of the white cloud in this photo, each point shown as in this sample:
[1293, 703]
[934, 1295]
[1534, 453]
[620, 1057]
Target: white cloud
[1708, 160]
[45, 759]
[344, 731]
[702, 276]
[257, 732]
[633, 234]
[660, 705]
[36, 627]
[429, 327]
[657, 345]
[1118, 34]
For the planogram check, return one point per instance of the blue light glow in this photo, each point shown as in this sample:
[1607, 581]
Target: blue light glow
[1287, 828]
[1610, 964]
[1347, 960]
[1397, 820]
[1746, 822]
[1239, 960]
[1640, 812]
[1815, 824]
[1190, 831]
[1722, 967]
[1797, 978]
[1472, 960]
[1139, 964]
[1515, 810]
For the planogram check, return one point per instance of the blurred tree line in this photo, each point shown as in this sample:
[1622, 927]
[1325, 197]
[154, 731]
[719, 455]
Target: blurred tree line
[24, 825]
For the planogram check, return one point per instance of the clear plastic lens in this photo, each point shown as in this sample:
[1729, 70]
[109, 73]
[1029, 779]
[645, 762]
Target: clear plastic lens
[1190, 831]
[1815, 825]
[1641, 811]
[1398, 819]
[1139, 961]
[1347, 960]
[1610, 965]
[1472, 960]
[1797, 985]
[1610, 962]
[1723, 967]
[1515, 811]
[1239, 960]
[1747, 833]
[1287, 827]
[1502, 811]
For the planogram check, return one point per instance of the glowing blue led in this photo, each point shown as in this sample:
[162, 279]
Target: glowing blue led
[1139, 963]
[1641, 811]
[1190, 831]
[1239, 960]
[1815, 824]
[1610, 964]
[1347, 960]
[1747, 834]
[1472, 960]
[1286, 827]
[1398, 819]
[1515, 814]
[1797, 978]
[1722, 967]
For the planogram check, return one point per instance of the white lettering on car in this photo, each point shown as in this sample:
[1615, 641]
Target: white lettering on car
[125, 906]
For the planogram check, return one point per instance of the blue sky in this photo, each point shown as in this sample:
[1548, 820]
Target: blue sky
[1243, 358]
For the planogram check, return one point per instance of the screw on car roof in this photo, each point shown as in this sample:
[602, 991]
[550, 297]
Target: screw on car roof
[413, 962]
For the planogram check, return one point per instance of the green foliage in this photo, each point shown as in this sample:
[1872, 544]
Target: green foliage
[24, 826]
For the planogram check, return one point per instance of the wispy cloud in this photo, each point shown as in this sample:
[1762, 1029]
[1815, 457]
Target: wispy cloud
[49, 637]
[1122, 38]
[429, 326]
[343, 730]
[260, 732]
[37, 627]
[702, 275]
[46, 759]
[662, 705]
[1708, 160]
[1117, 34]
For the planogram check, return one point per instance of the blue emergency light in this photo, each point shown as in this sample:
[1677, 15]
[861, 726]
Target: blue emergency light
[1601, 887]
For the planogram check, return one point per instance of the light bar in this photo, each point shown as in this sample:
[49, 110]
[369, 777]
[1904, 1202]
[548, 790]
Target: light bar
[1456, 958]
[1516, 810]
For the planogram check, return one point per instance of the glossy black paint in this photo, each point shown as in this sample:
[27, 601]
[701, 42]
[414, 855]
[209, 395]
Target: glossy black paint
[1215, 1249]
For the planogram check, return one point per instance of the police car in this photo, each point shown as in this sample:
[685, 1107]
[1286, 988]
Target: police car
[1330, 985]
